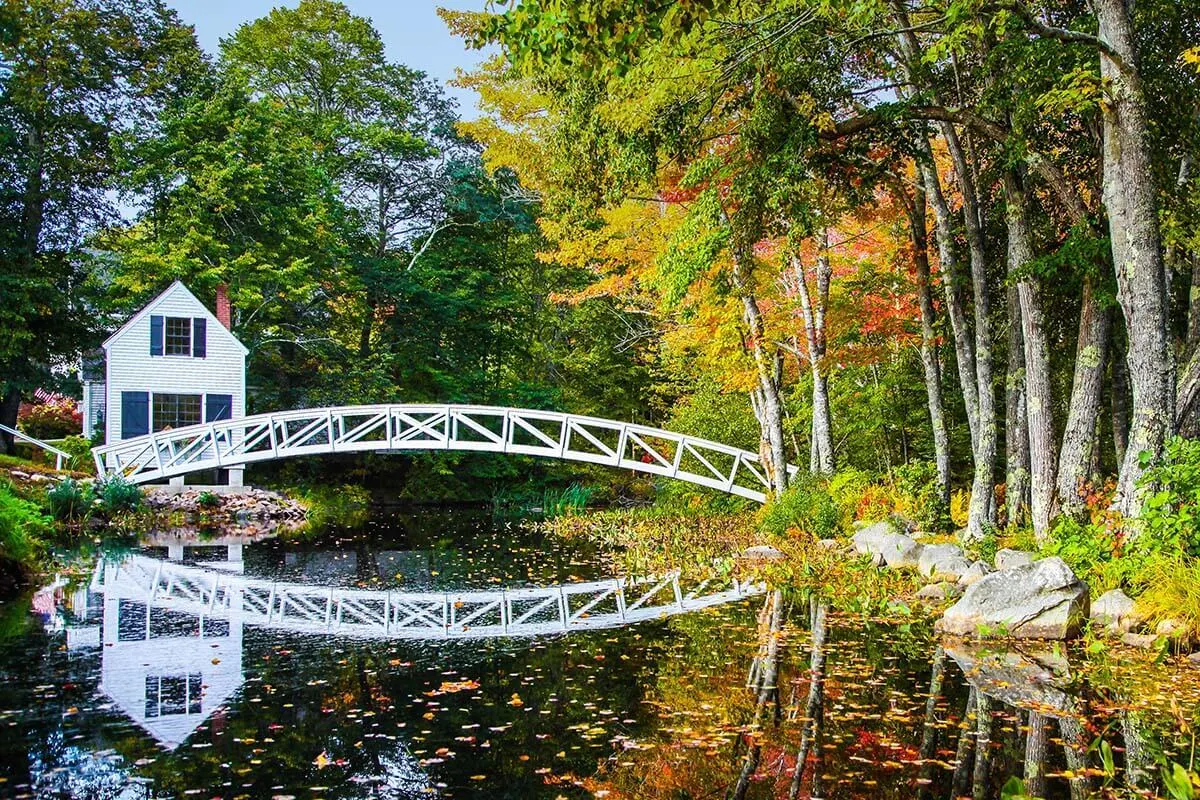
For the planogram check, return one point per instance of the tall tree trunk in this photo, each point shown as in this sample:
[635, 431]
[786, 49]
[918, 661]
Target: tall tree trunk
[983, 747]
[929, 349]
[1016, 420]
[1039, 403]
[1130, 197]
[983, 499]
[813, 311]
[1119, 394]
[765, 672]
[1081, 436]
[10, 404]
[1075, 747]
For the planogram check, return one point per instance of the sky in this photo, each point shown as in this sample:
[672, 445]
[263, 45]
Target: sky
[411, 29]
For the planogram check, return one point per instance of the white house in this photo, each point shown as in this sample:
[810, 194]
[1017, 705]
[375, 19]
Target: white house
[173, 364]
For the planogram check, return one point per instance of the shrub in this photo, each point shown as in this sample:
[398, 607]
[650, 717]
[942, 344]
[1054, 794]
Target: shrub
[70, 499]
[21, 525]
[208, 499]
[960, 508]
[117, 493]
[1170, 513]
[806, 506]
[80, 450]
[851, 490]
[52, 418]
[917, 483]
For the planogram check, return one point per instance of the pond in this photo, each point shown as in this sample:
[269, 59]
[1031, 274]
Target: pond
[452, 654]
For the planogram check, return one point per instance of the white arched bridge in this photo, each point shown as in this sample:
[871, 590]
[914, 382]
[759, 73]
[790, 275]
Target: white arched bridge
[392, 614]
[403, 427]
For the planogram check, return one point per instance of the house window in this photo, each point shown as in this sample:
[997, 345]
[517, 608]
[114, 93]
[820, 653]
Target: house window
[178, 336]
[169, 695]
[176, 411]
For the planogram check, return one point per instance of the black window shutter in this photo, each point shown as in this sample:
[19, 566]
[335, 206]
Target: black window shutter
[199, 337]
[135, 414]
[156, 335]
[218, 407]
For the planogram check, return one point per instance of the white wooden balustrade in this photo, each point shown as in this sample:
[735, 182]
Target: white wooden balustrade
[397, 428]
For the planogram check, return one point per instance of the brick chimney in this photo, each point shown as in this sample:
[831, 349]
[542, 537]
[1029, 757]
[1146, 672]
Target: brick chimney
[223, 305]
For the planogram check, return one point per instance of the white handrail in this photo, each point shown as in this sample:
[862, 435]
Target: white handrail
[59, 455]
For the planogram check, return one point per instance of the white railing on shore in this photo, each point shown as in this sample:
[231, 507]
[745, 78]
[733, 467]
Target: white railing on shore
[59, 455]
[396, 427]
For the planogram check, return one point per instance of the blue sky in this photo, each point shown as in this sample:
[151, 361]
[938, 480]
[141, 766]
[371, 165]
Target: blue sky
[411, 29]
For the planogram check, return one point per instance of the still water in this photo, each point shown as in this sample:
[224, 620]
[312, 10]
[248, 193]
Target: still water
[378, 663]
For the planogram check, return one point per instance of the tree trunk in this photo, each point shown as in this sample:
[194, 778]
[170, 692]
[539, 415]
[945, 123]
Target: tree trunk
[769, 406]
[1039, 403]
[10, 404]
[814, 328]
[1080, 437]
[1075, 746]
[929, 349]
[983, 499]
[1119, 395]
[1016, 421]
[1130, 196]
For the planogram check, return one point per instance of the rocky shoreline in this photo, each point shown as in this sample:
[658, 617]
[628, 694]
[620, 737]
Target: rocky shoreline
[249, 503]
[1018, 596]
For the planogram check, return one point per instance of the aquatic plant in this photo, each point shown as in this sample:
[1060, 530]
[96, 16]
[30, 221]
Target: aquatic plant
[117, 493]
[22, 524]
[70, 500]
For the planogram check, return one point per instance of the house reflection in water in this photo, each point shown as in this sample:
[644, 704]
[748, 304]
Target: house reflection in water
[167, 670]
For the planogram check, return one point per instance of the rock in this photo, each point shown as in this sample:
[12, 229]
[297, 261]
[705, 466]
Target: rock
[828, 544]
[974, 573]
[38, 477]
[1029, 679]
[1143, 640]
[1042, 600]
[762, 552]
[870, 539]
[901, 552]
[1193, 659]
[1007, 559]
[933, 553]
[877, 560]
[938, 591]
[1114, 611]
[17, 474]
[1171, 627]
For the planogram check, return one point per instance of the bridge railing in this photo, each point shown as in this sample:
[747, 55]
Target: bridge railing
[404, 427]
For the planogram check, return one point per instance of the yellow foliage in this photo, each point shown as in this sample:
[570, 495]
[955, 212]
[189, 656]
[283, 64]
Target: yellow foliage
[960, 507]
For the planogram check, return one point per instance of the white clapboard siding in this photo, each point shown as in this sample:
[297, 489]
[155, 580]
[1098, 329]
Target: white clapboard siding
[131, 367]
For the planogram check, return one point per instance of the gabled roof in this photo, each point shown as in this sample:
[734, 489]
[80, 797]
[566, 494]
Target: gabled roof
[146, 309]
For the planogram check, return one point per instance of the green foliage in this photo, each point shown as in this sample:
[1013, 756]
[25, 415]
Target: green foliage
[1170, 514]
[917, 481]
[571, 500]
[22, 526]
[117, 494]
[208, 499]
[70, 500]
[80, 450]
[335, 506]
[1179, 782]
[806, 507]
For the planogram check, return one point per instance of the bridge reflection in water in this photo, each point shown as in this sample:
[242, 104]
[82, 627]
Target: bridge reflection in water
[171, 633]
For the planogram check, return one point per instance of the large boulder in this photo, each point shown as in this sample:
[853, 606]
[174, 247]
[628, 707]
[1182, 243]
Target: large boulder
[869, 540]
[1042, 600]
[901, 552]
[1114, 611]
[938, 591]
[1007, 558]
[935, 553]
